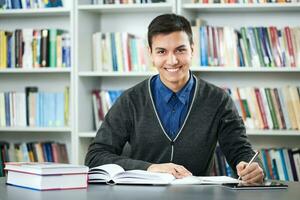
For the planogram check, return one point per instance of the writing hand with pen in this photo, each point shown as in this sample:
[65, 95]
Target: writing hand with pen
[250, 172]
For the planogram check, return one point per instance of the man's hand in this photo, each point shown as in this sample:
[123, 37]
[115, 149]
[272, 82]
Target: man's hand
[176, 170]
[252, 174]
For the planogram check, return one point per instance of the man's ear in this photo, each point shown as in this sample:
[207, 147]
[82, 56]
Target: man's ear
[149, 50]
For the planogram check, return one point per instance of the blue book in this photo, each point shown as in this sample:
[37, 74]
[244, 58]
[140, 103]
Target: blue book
[265, 163]
[59, 107]
[286, 177]
[7, 108]
[203, 46]
[113, 52]
[16, 4]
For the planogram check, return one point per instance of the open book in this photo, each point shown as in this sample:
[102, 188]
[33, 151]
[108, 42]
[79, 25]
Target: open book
[115, 174]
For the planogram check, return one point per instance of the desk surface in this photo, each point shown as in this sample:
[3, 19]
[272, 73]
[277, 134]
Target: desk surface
[180, 192]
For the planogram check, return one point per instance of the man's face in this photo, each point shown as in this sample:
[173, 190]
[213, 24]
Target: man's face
[172, 55]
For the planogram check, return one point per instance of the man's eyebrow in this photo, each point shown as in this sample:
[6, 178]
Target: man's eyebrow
[181, 46]
[161, 48]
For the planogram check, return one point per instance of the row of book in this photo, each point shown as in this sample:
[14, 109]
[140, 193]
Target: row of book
[122, 52]
[268, 108]
[243, 1]
[33, 152]
[28, 4]
[247, 47]
[35, 48]
[34, 109]
[102, 101]
[279, 164]
[126, 1]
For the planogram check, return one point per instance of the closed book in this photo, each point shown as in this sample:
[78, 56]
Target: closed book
[46, 176]
[44, 48]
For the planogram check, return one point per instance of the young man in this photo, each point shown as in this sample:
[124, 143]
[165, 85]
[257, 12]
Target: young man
[173, 120]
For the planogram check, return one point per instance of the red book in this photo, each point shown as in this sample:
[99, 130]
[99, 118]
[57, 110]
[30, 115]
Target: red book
[290, 46]
[275, 46]
[261, 108]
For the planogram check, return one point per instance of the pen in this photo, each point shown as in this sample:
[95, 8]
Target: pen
[249, 163]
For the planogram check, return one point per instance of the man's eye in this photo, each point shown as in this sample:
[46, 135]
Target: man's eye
[160, 52]
[181, 50]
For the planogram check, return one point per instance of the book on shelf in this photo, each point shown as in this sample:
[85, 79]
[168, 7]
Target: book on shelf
[254, 47]
[102, 101]
[26, 4]
[115, 174]
[268, 108]
[46, 151]
[46, 176]
[34, 109]
[120, 52]
[35, 48]
[281, 163]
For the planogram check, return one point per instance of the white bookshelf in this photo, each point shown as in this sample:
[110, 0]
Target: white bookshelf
[46, 79]
[278, 15]
[83, 19]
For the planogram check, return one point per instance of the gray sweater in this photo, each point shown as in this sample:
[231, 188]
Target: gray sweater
[212, 118]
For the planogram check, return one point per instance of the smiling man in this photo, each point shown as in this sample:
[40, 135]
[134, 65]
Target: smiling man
[173, 120]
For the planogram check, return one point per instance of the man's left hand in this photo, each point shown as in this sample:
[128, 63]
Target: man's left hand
[251, 174]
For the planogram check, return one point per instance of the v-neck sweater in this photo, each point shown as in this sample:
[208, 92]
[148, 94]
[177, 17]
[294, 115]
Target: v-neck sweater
[212, 118]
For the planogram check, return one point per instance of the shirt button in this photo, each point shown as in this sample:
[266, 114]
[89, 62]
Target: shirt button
[173, 110]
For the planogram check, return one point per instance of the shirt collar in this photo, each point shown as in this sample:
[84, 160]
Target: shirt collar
[183, 95]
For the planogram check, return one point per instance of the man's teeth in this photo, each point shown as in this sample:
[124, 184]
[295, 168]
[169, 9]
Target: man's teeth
[172, 69]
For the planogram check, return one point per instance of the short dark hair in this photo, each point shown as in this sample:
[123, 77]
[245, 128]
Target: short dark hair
[168, 23]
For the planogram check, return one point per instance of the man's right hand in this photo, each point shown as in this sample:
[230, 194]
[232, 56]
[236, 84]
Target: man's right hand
[178, 171]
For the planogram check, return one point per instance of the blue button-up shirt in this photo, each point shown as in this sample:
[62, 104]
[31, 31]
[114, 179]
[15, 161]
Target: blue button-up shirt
[172, 107]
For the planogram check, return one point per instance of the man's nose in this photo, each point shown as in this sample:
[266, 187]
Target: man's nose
[172, 59]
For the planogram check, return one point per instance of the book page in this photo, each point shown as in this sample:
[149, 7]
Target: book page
[143, 177]
[105, 172]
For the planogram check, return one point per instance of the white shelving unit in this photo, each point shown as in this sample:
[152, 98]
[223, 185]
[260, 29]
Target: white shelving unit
[238, 15]
[46, 79]
[83, 19]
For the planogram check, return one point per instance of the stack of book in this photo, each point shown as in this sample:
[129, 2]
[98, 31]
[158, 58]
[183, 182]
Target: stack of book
[35, 48]
[46, 176]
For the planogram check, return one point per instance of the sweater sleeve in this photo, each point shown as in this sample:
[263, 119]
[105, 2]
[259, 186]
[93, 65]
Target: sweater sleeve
[111, 138]
[232, 136]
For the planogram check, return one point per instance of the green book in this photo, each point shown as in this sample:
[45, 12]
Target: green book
[246, 45]
[52, 47]
[272, 109]
[258, 45]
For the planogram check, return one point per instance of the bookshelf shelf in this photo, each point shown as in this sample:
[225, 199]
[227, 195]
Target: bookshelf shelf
[158, 7]
[271, 133]
[116, 74]
[35, 12]
[268, 7]
[42, 70]
[280, 133]
[89, 134]
[36, 129]
[194, 69]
